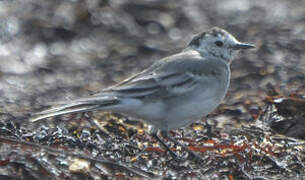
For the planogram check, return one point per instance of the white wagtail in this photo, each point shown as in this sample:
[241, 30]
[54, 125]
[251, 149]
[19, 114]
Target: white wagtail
[175, 91]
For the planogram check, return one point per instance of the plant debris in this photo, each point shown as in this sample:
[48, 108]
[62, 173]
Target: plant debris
[59, 50]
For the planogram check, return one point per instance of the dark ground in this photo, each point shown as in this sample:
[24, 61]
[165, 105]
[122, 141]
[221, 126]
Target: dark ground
[58, 50]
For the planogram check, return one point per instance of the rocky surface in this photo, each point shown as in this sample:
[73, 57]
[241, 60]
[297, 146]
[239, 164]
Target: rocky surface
[59, 50]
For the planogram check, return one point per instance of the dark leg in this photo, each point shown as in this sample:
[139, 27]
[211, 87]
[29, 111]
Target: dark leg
[173, 154]
[192, 155]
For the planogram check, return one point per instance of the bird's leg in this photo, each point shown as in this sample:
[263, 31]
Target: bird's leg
[193, 155]
[173, 154]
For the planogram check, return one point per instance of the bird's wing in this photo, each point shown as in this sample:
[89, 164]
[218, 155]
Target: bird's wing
[162, 80]
[165, 84]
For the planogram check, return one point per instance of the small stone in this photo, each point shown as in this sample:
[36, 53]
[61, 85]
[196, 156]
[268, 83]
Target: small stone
[79, 166]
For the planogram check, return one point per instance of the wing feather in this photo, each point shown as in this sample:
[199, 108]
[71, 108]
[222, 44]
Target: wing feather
[171, 76]
[155, 85]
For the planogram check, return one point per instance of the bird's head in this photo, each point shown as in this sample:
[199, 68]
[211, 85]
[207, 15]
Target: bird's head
[218, 43]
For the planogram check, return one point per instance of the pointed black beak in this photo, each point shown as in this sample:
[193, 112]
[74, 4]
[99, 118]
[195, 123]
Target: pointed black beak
[243, 46]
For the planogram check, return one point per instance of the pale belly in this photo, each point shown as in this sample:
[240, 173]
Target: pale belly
[192, 108]
[182, 115]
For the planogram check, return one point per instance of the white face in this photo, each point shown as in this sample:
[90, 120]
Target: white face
[218, 43]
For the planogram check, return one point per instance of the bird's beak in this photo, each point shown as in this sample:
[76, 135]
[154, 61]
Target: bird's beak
[240, 45]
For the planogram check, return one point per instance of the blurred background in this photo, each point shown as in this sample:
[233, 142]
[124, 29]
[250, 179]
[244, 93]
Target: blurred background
[56, 50]
[59, 50]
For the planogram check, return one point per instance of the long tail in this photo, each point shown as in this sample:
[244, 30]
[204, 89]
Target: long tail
[81, 105]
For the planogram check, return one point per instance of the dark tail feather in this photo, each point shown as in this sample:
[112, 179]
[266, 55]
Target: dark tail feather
[81, 105]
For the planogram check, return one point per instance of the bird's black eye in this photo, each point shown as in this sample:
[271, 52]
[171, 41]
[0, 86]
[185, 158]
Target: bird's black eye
[219, 43]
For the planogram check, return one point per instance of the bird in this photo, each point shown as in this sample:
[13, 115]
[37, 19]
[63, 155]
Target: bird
[174, 91]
